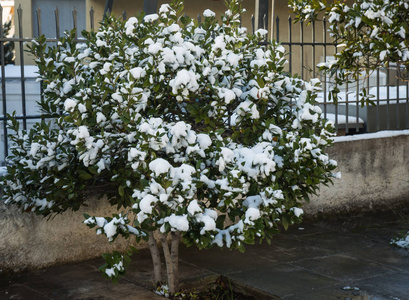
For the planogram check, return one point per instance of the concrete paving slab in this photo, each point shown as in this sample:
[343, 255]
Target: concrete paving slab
[287, 250]
[342, 267]
[385, 255]
[336, 293]
[222, 261]
[21, 292]
[314, 263]
[381, 232]
[306, 229]
[288, 242]
[391, 286]
[76, 281]
[282, 280]
[267, 251]
[337, 242]
[282, 255]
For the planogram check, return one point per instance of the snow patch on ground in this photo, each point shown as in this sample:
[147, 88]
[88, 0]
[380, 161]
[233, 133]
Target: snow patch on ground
[403, 242]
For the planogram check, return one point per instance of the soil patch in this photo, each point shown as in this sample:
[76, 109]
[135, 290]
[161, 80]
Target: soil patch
[219, 287]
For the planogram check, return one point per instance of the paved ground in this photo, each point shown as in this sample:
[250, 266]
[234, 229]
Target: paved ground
[341, 259]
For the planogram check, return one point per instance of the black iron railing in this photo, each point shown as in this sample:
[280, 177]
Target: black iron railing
[306, 47]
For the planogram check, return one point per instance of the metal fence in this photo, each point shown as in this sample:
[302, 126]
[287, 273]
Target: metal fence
[20, 90]
[309, 45]
[306, 46]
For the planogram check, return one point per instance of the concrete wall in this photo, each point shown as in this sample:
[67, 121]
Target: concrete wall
[375, 175]
[28, 241]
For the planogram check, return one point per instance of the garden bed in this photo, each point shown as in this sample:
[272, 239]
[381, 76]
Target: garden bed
[219, 287]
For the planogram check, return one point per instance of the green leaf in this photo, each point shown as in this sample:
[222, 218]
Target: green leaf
[260, 82]
[84, 175]
[121, 191]
[144, 182]
[285, 223]
[220, 221]
[133, 249]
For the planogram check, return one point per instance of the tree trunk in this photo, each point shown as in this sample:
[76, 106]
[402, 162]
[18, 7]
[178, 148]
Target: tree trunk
[169, 265]
[157, 264]
[174, 253]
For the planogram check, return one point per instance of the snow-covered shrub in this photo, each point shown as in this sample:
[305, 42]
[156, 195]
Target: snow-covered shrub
[369, 33]
[193, 131]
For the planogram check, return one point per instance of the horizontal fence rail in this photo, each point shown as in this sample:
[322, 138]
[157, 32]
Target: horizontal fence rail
[306, 47]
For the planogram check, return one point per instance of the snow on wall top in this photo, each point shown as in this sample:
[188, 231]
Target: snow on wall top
[367, 136]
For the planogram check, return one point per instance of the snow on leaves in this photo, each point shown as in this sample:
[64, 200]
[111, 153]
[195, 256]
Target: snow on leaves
[188, 127]
[112, 227]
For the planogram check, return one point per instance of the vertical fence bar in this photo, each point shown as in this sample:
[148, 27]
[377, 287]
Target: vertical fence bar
[91, 17]
[346, 108]
[397, 102]
[278, 29]
[57, 22]
[265, 27]
[290, 49]
[407, 104]
[38, 20]
[3, 83]
[23, 80]
[74, 20]
[324, 38]
[108, 8]
[357, 106]
[313, 49]
[39, 33]
[302, 48]
[336, 117]
[252, 24]
[124, 15]
[149, 6]
[378, 119]
[264, 21]
[367, 87]
[388, 121]
[336, 85]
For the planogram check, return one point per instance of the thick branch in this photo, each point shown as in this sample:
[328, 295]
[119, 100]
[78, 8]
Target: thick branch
[169, 265]
[156, 260]
[174, 253]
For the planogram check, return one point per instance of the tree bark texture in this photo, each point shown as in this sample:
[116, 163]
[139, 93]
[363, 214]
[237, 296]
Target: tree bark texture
[156, 260]
[169, 265]
[174, 253]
